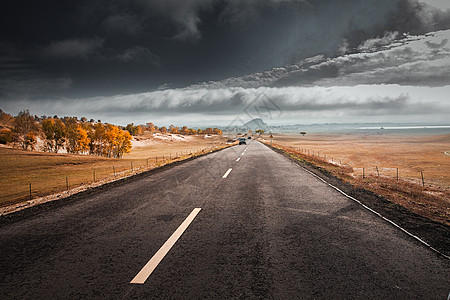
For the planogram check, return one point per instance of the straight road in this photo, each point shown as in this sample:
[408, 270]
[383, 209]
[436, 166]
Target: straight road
[242, 223]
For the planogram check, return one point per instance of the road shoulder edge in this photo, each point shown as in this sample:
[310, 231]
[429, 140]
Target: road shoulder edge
[28, 211]
[425, 231]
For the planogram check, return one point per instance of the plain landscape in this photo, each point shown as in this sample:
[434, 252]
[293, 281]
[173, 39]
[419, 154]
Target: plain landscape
[390, 165]
[225, 149]
[382, 156]
[47, 172]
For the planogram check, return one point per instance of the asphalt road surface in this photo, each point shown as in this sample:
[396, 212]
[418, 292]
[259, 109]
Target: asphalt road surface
[267, 229]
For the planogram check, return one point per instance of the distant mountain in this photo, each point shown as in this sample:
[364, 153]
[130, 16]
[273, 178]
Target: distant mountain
[256, 124]
[252, 125]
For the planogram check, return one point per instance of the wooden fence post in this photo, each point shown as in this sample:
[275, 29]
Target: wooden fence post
[30, 190]
[67, 183]
[397, 174]
[423, 182]
[94, 175]
[114, 171]
[378, 173]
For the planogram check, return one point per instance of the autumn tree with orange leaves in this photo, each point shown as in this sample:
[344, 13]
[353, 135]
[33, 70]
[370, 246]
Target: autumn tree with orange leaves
[24, 131]
[54, 131]
[77, 138]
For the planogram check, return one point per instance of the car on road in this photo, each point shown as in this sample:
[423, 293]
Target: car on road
[242, 141]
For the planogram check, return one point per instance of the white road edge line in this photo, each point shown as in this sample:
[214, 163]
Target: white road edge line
[377, 213]
[147, 270]
[238, 159]
[226, 173]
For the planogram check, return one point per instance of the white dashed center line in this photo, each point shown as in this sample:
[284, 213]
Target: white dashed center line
[238, 159]
[226, 173]
[147, 270]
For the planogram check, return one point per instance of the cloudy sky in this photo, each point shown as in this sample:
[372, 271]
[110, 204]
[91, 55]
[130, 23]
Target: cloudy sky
[215, 61]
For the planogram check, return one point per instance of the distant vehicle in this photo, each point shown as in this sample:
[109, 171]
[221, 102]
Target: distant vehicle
[249, 137]
[242, 141]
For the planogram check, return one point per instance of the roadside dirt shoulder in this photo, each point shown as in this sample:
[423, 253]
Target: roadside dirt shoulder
[434, 233]
[20, 210]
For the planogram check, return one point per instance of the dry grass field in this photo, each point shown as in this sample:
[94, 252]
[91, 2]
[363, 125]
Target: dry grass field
[410, 154]
[356, 158]
[47, 172]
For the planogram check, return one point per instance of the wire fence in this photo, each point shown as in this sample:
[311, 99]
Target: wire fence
[363, 172]
[67, 180]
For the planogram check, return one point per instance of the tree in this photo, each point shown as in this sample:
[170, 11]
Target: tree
[163, 129]
[173, 129]
[55, 134]
[77, 138]
[141, 129]
[97, 139]
[151, 127]
[208, 131]
[6, 119]
[6, 136]
[123, 143]
[260, 131]
[184, 130]
[111, 139]
[24, 130]
[303, 133]
[192, 131]
[30, 140]
[134, 130]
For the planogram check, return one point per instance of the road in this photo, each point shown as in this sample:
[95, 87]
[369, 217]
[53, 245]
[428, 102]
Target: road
[266, 230]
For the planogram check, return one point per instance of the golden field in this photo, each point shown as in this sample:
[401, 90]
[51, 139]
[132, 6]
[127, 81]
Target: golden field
[47, 172]
[350, 156]
[410, 154]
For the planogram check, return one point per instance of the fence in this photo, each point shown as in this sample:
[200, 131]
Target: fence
[364, 172]
[70, 179]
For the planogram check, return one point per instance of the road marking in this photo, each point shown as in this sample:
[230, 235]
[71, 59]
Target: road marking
[372, 211]
[238, 159]
[242, 153]
[226, 173]
[376, 213]
[147, 270]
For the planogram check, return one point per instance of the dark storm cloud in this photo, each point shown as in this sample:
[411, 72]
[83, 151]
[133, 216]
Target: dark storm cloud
[411, 60]
[139, 54]
[107, 47]
[74, 48]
